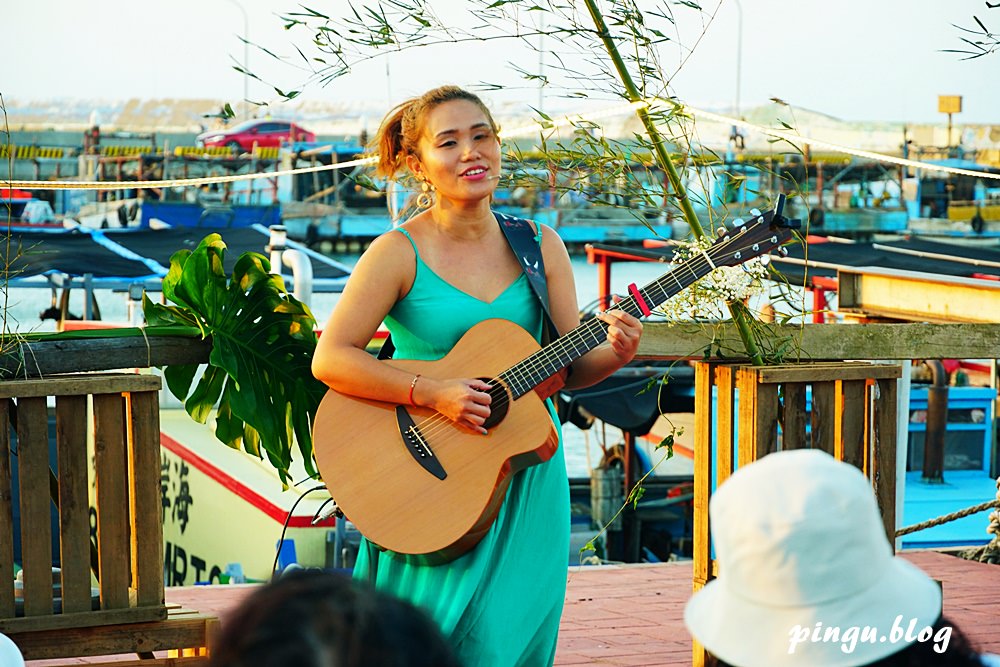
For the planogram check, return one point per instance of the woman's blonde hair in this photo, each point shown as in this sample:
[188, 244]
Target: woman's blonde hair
[399, 133]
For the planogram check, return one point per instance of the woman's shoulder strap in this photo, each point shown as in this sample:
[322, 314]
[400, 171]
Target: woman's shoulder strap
[527, 247]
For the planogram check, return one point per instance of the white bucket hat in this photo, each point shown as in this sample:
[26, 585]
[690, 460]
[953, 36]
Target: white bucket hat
[10, 656]
[801, 546]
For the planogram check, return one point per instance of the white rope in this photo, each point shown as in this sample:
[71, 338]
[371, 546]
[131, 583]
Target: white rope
[180, 182]
[795, 137]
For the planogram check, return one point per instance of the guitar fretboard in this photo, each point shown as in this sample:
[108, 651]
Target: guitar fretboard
[532, 371]
[746, 242]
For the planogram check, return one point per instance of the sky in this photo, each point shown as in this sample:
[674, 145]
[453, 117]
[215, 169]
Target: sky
[852, 59]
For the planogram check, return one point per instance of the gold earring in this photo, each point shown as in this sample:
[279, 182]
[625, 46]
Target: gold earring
[424, 199]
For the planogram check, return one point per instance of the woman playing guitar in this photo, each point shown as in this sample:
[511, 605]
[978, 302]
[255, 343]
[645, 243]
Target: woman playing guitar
[446, 269]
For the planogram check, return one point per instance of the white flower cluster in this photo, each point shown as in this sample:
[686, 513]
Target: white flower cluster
[707, 298]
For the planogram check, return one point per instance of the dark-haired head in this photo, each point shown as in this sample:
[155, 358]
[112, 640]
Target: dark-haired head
[312, 618]
[399, 134]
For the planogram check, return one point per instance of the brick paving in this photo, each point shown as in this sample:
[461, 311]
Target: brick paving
[628, 615]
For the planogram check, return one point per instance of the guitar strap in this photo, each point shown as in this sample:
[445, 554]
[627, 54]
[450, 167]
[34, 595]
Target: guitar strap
[527, 247]
[526, 244]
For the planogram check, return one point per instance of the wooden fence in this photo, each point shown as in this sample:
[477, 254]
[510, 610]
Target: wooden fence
[107, 596]
[746, 412]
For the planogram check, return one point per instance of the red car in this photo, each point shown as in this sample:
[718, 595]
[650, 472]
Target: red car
[264, 133]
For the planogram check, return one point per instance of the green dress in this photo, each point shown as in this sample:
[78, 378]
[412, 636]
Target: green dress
[500, 603]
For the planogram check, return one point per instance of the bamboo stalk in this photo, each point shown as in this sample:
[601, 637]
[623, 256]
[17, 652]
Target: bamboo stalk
[740, 313]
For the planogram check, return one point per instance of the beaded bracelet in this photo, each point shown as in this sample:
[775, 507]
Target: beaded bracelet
[413, 384]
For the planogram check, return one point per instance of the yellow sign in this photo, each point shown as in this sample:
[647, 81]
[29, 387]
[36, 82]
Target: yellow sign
[949, 103]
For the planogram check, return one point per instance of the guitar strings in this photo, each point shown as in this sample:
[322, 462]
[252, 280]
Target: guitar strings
[697, 265]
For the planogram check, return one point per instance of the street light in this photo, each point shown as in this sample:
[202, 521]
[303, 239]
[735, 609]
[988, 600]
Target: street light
[246, 51]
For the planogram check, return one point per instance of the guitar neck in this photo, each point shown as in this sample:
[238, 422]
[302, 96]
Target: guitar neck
[560, 353]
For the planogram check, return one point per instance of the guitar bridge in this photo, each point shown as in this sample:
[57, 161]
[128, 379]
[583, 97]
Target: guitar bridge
[415, 443]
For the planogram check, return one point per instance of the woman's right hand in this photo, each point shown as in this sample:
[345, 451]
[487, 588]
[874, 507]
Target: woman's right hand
[464, 401]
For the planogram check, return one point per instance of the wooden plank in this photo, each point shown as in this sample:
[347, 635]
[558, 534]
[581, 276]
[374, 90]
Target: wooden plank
[921, 297]
[112, 501]
[107, 383]
[852, 412]
[725, 422]
[823, 422]
[816, 342]
[707, 376]
[746, 385]
[147, 529]
[883, 468]
[114, 638]
[793, 431]
[6, 514]
[807, 372]
[36, 505]
[74, 503]
[703, 454]
[766, 426]
[84, 619]
[44, 358]
[698, 653]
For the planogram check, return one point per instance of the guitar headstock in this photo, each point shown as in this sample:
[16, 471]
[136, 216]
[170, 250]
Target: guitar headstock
[760, 235]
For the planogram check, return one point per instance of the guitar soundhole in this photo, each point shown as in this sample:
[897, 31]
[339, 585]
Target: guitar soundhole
[499, 405]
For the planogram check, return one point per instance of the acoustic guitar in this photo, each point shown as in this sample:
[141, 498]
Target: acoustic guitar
[416, 484]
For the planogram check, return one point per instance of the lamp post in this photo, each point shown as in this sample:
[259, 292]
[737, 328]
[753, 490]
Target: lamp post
[246, 51]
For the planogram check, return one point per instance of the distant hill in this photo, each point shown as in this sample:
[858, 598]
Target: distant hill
[172, 115]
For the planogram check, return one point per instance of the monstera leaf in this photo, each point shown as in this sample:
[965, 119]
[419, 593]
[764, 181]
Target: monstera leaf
[258, 378]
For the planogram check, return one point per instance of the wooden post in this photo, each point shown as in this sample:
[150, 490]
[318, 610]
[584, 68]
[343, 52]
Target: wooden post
[112, 501]
[147, 529]
[704, 454]
[36, 530]
[6, 514]
[74, 504]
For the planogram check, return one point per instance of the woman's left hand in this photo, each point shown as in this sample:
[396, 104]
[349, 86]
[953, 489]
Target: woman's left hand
[624, 332]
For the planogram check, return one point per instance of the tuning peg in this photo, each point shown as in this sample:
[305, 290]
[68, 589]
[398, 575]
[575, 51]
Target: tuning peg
[721, 231]
[783, 251]
[755, 212]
